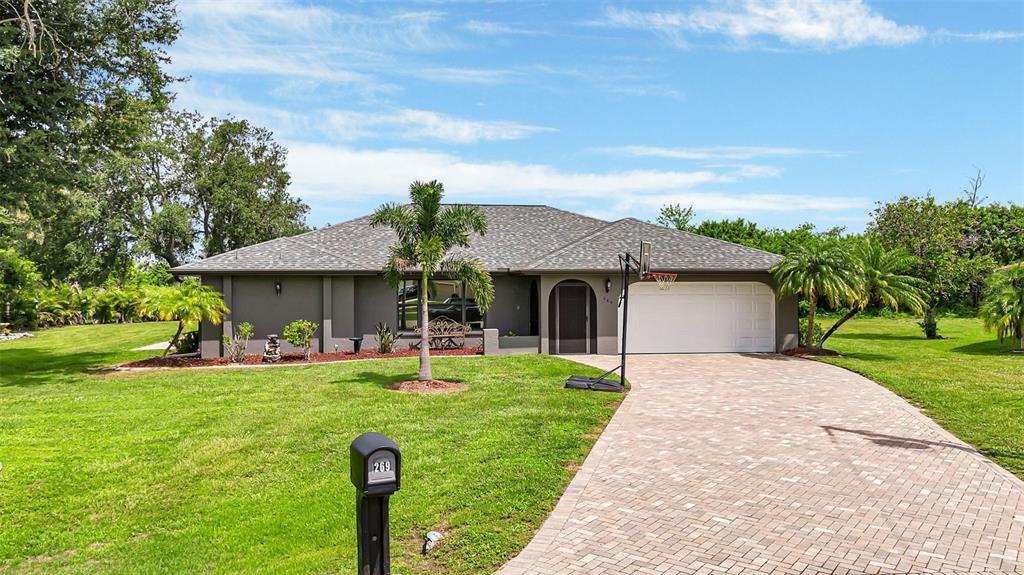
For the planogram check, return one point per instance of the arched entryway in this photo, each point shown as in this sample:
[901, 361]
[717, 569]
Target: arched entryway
[572, 318]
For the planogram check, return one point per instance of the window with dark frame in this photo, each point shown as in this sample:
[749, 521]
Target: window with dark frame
[445, 298]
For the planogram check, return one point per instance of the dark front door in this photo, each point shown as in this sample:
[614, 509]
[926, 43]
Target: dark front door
[573, 316]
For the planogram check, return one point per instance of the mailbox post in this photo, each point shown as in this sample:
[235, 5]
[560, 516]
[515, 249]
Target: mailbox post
[375, 468]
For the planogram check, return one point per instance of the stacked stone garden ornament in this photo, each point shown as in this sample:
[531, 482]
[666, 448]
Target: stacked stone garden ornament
[272, 349]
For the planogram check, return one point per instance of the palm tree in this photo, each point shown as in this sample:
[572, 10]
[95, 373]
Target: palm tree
[821, 270]
[1003, 306]
[188, 302]
[882, 283]
[427, 231]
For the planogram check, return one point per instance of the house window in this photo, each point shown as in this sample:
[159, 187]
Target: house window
[445, 298]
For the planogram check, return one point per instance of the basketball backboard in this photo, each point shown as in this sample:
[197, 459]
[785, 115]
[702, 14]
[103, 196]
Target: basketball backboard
[645, 258]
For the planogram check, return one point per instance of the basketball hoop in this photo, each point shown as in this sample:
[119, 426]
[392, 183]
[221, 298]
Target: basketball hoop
[664, 279]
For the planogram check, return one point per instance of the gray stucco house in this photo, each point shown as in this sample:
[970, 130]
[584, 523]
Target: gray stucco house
[556, 280]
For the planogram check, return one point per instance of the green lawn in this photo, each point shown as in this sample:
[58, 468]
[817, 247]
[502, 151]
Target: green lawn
[244, 470]
[967, 381]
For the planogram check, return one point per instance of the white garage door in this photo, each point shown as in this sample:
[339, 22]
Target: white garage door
[699, 317]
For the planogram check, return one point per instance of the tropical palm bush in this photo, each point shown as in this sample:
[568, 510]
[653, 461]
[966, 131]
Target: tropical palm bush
[881, 282]
[60, 304]
[1002, 308]
[114, 304]
[189, 302]
[823, 269]
[427, 232]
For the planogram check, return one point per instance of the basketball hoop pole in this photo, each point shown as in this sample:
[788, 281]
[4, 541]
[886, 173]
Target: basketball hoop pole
[627, 265]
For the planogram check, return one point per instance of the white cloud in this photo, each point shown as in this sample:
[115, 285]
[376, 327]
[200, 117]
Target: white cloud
[287, 39]
[420, 125]
[347, 125]
[717, 153]
[327, 176]
[748, 171]
[985, 36]
[818, 23]
[485, 28]
[732, 205]
[464, 75]
[189, 96]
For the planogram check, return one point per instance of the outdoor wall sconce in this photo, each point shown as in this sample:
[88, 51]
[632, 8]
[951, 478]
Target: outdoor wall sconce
[607, 285]
[277, 287]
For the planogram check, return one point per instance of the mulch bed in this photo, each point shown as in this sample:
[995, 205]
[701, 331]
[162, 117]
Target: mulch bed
[810, 352]
[432, 386]
[294, 358]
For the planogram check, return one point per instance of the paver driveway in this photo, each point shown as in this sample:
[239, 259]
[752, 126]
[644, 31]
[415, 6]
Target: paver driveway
[764, 464]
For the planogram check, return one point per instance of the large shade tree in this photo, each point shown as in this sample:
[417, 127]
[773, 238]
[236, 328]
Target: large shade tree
[189, 302]
[823, 269]
[951, 256]
[80, 81]
[427, 233]
[882, 282]
[1003, 306]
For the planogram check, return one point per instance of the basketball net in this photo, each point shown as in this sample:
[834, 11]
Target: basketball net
[664, 279]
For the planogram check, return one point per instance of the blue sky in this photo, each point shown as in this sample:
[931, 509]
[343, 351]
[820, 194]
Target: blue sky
[780, 112]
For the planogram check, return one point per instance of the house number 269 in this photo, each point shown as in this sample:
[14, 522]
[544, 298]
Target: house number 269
[382, 466]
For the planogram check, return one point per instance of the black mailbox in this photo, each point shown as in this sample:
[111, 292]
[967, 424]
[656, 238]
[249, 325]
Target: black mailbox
[375, 467]
[376, 464]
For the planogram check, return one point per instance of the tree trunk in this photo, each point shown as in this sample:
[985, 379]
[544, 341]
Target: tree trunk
[174, 340]
[812, 303]
[853, 311]
[425, 374]
[930, 324]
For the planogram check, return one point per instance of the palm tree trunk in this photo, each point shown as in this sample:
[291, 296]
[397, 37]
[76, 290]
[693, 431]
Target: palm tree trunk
[425, 374]
[174, 340]
[853, 311]
[812, 303]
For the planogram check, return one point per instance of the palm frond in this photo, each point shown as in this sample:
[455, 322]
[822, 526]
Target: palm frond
[397, 217]
[884, 280]
[401, 258]
[472, 273]
[456, 223]
[189, 302]
[426, 202]
[825, 270]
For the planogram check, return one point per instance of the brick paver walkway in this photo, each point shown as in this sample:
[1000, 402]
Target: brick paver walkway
[762, 464]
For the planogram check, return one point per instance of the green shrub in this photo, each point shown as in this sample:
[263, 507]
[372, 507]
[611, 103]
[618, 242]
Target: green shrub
[300, 334]
[818, 332]
[188, 342]
[236, 345]
[385, 338]
[18, 284]
[60, 304]
[114, 304]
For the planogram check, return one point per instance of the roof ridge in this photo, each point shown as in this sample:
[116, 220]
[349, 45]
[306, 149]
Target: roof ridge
[691, 234]
[600, 230]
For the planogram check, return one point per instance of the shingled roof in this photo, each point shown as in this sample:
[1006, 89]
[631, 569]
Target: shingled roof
[519, 239]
